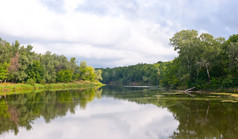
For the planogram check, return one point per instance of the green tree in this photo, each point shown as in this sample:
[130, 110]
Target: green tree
[212, 49]
[98, 75]
[42, 68]
[89, 74]
[64, 76]
[13, 68]
[232, 52]
[35, 72]
[6, 51]
[3, 71]
[198, 55]
[169, 75]
[83, 70]
[140, 74]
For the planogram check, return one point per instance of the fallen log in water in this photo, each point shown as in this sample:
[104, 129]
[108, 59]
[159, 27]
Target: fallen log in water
[189, 90]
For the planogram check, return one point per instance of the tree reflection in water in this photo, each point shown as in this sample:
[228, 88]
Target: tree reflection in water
[22, 109]
[199, 117]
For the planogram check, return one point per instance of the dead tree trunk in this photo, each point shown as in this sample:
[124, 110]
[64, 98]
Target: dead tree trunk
[189, 89]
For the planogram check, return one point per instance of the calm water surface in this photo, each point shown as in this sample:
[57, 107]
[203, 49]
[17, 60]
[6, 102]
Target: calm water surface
[118, 112]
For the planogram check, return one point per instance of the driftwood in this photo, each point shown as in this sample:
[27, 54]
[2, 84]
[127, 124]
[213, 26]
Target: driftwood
[189, 90]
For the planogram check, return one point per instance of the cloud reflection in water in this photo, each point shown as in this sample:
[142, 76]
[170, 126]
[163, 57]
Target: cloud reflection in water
[106, 118]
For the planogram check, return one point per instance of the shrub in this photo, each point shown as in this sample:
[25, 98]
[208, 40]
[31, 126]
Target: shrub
[215, 83]
[64, 76]
[43, 81]
[227, 82]
[31, 81]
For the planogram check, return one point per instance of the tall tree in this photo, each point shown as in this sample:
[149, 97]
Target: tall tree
[197, 51]
[3, 71]
[35, 72]
[98, 74]
[13, 68]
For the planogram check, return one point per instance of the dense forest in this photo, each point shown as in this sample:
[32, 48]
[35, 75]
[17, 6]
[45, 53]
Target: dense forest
[140, 74]
[203, 62]
[19, 64]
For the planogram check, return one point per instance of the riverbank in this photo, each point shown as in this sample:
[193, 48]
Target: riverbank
[8, 88]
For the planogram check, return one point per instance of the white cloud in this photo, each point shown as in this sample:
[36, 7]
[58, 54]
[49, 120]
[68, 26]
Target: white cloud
[117, 55]
[71, 5]
[102, 36]
[26, 18]
[128, 32]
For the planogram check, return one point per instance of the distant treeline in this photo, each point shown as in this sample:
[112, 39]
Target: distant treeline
[204, 62]
[19, 64]
[140, 74]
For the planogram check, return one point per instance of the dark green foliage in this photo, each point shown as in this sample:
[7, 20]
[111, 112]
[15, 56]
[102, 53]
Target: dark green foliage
[169, 74]
[140, 74]
[35, 71]
[204, 62]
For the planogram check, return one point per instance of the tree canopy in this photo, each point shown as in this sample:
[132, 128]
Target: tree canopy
[204, 61]
[19, 64]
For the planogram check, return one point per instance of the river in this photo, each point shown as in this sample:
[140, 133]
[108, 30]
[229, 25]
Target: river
[113, 112]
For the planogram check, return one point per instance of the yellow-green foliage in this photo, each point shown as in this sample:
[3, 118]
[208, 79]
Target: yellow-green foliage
[10, 88]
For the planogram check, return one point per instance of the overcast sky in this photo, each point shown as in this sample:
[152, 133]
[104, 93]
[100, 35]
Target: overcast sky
[109, 33]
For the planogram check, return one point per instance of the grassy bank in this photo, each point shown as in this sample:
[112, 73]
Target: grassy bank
[19, 87]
